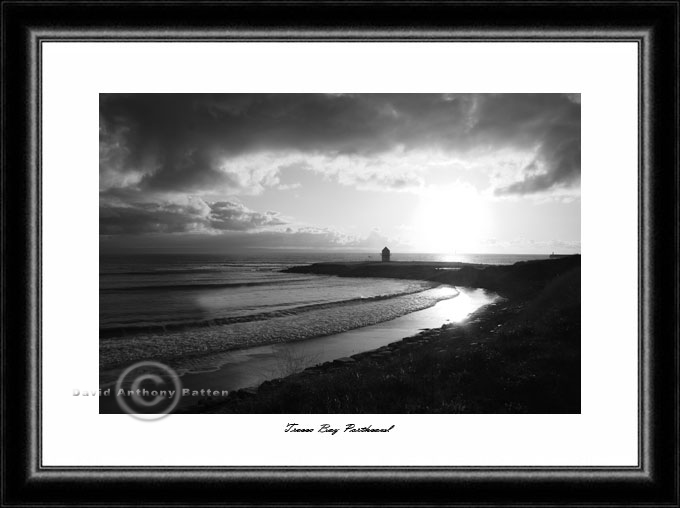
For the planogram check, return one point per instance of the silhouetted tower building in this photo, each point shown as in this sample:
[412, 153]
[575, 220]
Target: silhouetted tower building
[386, 255]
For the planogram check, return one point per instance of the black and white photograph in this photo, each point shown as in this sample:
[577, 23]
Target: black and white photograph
[344, 253]
[339, 253]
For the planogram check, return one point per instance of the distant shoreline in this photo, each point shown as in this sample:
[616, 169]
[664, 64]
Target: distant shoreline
[520, 278]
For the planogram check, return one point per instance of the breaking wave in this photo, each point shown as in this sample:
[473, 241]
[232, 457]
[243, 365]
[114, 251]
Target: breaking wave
[303, 322]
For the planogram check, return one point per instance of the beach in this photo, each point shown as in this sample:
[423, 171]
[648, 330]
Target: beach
[249, 367]
[256, 330]
[179, 308]
[519, 354]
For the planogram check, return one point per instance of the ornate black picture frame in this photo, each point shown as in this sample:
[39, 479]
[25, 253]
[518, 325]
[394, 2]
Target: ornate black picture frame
[652, 25]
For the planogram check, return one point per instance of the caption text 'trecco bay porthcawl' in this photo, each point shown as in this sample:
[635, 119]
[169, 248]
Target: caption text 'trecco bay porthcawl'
[326, 428]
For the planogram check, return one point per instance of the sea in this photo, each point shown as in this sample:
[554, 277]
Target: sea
[200, 312]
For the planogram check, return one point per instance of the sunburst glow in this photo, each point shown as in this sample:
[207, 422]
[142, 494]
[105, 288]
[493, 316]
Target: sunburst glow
[449, 219]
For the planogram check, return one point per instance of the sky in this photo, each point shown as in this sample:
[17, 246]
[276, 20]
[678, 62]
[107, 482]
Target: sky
[439, 173]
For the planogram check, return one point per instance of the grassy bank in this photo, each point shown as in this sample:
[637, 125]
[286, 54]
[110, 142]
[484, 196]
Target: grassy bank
[519, 355]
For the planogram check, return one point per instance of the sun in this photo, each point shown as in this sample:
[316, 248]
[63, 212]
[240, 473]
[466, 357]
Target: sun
[449, 220]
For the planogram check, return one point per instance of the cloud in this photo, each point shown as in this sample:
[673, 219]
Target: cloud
[148, 218]
[289, 238]
[391, 171]
[224, 143]
[557, 163]
[530, 246]
[190, 215]
[180, 163]
[116, 169]
[374, 240]
[324, 238]
[230, 216]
